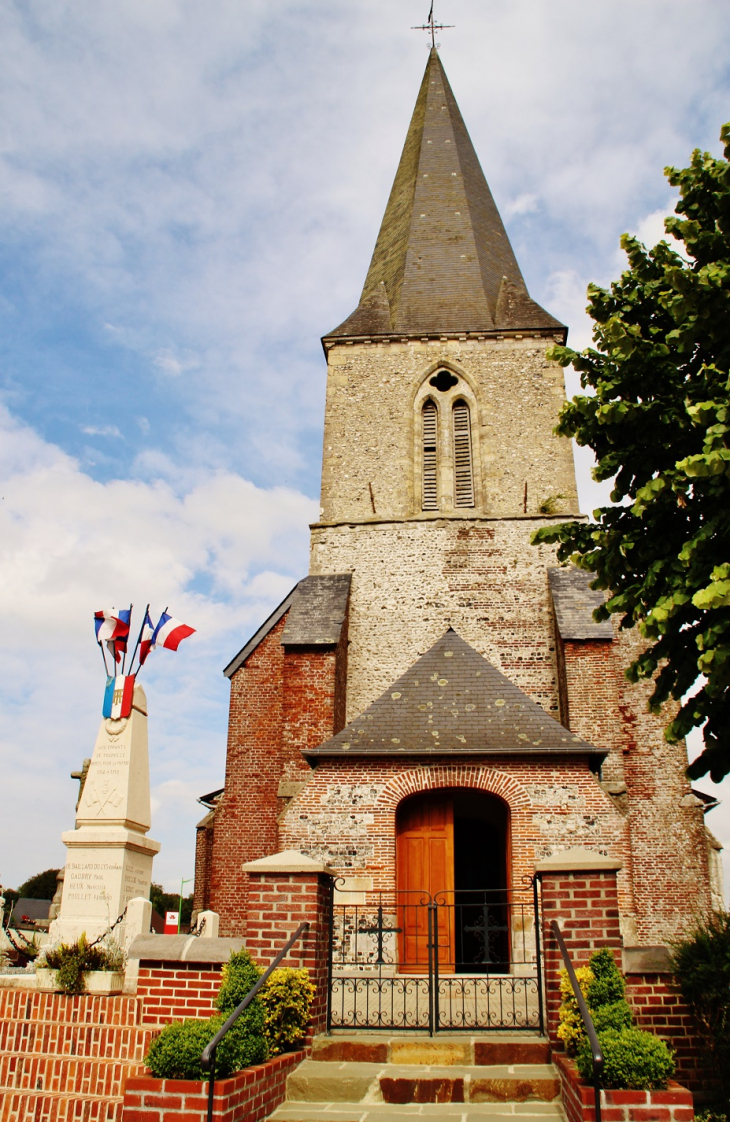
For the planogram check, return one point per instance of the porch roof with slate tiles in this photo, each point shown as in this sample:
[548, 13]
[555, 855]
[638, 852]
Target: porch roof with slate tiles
[453, 700]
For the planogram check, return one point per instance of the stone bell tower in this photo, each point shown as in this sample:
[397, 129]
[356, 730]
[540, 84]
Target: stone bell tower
[439, 453]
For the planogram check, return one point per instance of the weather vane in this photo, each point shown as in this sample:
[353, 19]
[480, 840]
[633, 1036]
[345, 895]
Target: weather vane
[431, 26]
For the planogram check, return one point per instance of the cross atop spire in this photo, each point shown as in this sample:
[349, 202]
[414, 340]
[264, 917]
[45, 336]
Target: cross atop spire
[429, 25]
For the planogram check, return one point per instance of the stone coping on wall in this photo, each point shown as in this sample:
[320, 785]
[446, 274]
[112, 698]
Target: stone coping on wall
[578, 860]
[183, 948]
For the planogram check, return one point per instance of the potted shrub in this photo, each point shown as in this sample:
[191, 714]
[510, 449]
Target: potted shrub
[80, 967]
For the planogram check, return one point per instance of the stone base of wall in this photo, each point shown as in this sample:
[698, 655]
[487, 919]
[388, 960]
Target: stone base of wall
[673, 1105]
[248, 1096]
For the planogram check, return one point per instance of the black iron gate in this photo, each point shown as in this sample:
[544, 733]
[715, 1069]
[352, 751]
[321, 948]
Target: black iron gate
[459, 960]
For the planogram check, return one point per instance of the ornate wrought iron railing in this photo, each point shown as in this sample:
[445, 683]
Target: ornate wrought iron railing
[207, 1058]
[460, 960]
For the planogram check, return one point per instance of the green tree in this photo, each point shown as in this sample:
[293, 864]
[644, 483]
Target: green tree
[170, 902]
[40, 887]
[658, 422]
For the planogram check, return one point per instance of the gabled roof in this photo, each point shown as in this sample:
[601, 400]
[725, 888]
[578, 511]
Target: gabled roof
[453, 700]
[317, 608]
[442, 261]
[575, 602]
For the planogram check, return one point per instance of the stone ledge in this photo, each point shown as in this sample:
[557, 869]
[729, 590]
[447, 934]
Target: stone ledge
[288, 861]
[578, 860]
[183, 948]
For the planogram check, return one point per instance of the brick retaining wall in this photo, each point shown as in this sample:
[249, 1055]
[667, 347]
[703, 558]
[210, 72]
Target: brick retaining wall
[672, 1105]
[251, 1094]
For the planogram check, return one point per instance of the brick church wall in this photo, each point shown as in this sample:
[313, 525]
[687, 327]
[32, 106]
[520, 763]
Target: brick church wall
[345, 816]
[245, 821]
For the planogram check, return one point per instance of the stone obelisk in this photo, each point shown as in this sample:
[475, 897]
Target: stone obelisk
[109, 859]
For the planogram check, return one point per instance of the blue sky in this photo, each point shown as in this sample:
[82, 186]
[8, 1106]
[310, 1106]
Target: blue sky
[190, 193]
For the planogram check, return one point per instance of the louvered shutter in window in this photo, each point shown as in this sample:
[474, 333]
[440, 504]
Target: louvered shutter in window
[463, 475]
[430, 421]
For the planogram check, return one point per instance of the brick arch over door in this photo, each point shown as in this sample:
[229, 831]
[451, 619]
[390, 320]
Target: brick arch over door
[469, 776]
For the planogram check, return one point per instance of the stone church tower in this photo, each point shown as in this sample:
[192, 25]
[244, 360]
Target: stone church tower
[437, 685]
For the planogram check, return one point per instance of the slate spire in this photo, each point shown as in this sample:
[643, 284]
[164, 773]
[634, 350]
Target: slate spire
[442, 261]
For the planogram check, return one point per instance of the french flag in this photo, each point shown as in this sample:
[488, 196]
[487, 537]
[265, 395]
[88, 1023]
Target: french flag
[118, 696]
[146, 639]
[170, 632]
[112, 624]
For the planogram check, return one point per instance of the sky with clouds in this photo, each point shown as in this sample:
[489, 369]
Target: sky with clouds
[189, 196]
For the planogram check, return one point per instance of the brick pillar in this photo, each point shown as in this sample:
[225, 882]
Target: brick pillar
[284, 890]
[579, 891]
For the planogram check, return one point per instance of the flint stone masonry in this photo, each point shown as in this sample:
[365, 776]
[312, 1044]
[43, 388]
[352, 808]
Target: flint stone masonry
[371, 436]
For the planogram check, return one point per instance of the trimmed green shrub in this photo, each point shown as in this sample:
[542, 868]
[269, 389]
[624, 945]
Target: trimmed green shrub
[702, 967]
[570, 1022]
[608, 985]
[176, 1052]
[634, 1060]
[286, 998]
[615, 1015]
[239, 975]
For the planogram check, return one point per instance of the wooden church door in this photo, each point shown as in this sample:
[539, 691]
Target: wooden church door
[425, 867]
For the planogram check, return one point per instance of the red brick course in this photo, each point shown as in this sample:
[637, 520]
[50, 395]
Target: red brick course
[673, 1105]
[248, 1096]
[172, 991]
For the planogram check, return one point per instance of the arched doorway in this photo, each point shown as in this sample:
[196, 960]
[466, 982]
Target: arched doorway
[452, 849]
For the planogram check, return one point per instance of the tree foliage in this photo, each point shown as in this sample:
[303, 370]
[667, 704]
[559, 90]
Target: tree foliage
[40, 887]
[658, 421]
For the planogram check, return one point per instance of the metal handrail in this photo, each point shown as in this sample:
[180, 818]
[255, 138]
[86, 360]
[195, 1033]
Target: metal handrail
[596, 1050]
[207, 1059]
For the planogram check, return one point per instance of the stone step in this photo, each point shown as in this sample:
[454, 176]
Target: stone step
[29, 1005]
[39, 1106]
[355, 1082]
[438, 1112]
[65, 1074]
[106, 1042]
[444, 1049]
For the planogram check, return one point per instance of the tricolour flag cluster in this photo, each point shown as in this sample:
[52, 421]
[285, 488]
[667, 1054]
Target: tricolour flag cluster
[112, 627]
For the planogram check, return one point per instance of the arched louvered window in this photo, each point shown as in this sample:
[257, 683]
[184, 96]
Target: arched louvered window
[429, 418]
[463, 473]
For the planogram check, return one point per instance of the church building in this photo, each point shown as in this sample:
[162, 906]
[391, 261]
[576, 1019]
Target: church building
[433, 709]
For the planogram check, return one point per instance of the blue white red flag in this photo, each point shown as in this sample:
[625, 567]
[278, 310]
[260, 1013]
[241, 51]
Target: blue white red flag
[112, 624]
[170, 633]
[118, 696]
[147, 638]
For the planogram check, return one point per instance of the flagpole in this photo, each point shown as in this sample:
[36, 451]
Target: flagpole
[139, 638]
[126, 645]
[101, 648]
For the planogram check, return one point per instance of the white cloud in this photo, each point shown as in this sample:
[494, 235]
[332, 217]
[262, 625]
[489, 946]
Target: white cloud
[221, 554]
[101, 430]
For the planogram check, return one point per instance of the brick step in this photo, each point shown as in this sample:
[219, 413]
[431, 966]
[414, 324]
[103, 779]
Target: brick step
[105, 1042]
[40, 1106]
[66, 1074]
[352, 1082]
[444, 1049]
[28, 1005]
[438, 1112]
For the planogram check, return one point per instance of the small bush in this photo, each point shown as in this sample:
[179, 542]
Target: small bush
[615, 1015]
[608, 985]
[239, 975]
[570, 1027]
[72, 960]
[176, 1052]
[634, 1060]
[702, 966]
[286, 998]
